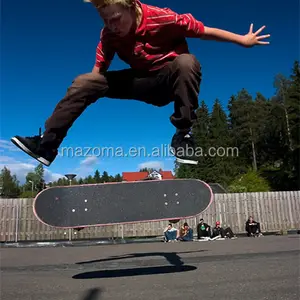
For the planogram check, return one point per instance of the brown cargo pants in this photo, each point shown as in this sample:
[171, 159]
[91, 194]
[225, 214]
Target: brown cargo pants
[178, 82]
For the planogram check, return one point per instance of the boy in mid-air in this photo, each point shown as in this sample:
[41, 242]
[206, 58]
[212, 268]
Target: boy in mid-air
[152, 41]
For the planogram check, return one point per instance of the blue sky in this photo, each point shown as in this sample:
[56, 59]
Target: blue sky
[47, 44]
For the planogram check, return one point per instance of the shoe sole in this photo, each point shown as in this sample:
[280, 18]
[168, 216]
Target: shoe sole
[26, 150]
[186, 161]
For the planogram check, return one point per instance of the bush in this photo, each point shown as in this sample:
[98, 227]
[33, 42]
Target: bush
[249, 182]
[28, 194]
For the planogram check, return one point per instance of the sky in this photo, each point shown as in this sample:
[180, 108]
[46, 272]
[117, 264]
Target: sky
[45, 45]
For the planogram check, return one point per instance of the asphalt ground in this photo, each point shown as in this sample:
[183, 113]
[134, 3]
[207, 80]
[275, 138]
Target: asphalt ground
[242, 269]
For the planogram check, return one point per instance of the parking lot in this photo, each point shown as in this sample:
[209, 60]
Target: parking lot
[242, 269]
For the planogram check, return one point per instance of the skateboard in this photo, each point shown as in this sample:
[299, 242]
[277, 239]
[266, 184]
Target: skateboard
[121, 202]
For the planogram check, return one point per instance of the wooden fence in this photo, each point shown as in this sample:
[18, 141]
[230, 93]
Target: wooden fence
[274, 210]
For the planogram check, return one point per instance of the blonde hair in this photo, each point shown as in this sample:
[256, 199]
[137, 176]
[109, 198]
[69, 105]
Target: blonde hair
[125, 3]
[101, 3]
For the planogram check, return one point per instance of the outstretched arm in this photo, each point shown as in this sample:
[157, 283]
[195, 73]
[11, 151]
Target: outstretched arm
[248, 40]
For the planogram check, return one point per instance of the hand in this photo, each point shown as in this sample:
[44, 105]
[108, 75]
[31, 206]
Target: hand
[251, 39]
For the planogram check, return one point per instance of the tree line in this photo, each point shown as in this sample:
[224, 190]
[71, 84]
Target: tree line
[35, 182]
[257, 140]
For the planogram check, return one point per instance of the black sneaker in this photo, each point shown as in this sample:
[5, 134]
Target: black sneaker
[32, 146]
[183, 147]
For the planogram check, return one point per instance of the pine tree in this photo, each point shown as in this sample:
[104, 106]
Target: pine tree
[97, 177]
[293, 108]
[105, 177]
[259, 125]
[118, 178]
[200, 133]
[242, 129]
[293, 103]
[221, 157]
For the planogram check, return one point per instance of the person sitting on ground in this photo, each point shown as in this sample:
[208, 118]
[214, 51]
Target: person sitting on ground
[185, 233]
[170, 233]
[203, 230]
[252, 227]
[222, 232]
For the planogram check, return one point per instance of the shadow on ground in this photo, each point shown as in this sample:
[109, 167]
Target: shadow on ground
[175, 261]
[172, 257]
[134, 272]
[92, 294]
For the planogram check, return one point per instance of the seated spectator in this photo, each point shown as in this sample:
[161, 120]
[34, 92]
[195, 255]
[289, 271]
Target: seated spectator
[222, 232]
[185, 233]
[203, 230]
[252, 227]
[170, 233]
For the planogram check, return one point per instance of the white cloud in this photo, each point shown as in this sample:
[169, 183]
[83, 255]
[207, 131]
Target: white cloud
[87, 166]
[50, 176]
[6, 159]
[89, 161]
[8, 145]
[21, 169]
[151, 164]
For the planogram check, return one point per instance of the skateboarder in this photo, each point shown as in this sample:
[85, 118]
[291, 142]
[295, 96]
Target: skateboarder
[152, 41]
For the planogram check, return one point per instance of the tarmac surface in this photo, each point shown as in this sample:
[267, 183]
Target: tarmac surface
[241, 269]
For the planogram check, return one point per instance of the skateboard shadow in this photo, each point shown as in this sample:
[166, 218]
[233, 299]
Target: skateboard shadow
[175, 261]
[92, 294]
[172, 257]
[134, 272]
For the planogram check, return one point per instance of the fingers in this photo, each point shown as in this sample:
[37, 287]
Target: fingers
[263, 36]
[251, 28]
[263, 43]
[260, 30]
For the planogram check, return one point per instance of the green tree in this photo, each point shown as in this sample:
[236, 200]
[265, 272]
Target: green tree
[9, 184]
[97, 177]
[89, 180]
[249, 182]
[242, 123]
[105, 177]
[221, 160]
[35, 179]
[200, 131]
[118, 178]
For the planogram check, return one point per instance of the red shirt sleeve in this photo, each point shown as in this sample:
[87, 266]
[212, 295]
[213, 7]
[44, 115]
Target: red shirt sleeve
[181, 24]
[104, 52]
[188, 25]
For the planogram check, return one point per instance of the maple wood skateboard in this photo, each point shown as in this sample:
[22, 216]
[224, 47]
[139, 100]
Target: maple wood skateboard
[121, 202]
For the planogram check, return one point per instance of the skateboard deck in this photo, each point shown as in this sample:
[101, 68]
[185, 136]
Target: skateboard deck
[121, 202]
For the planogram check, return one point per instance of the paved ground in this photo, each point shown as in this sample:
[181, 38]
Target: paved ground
[242, 269]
